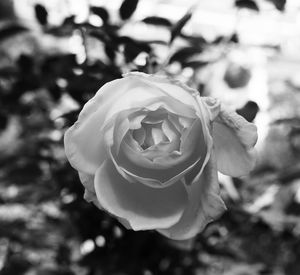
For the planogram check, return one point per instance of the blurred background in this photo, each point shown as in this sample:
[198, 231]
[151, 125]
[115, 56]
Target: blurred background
[54, 56]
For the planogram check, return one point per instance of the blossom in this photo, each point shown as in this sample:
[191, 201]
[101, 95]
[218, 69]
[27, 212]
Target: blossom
[148, 149]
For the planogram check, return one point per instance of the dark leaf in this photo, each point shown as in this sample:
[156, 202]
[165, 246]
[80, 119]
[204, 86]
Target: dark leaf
[71, 117]
[158, 21]
[127, 8]
[11, 30]
[59, 65]
[69, 20]
[195, 64]
[109, 51]
[3, 121]
[55, 91]
[25, 63]
[249, 111]
[184, 53]
[132, 50]
[279, 4]
[99, 35]
[101, 12]
[195, 40]
[234, 38]
[41, 14]
[132, 47]
[176, 29]
[218, 40]
[248, 4]
[83, 87]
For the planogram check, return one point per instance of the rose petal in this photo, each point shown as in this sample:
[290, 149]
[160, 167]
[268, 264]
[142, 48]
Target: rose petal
[234, 138]
[140, 92]
[89, 191]
[171, 88]
[139, 135]
[204, 205]
[143, 207]
[161, 173]
[83, 141]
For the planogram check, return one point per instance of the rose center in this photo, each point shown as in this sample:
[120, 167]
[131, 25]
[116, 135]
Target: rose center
[153, 135]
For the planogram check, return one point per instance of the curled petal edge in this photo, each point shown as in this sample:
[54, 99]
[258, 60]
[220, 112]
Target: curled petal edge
[234, 139]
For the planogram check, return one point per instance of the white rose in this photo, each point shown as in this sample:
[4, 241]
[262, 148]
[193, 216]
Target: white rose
[148, 149]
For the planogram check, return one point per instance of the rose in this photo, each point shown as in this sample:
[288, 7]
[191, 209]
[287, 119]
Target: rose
[148, 148]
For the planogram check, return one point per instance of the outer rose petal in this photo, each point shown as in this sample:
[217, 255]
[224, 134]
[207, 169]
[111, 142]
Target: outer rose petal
[170, 87]
[142, 206]
[89, 189]
[205, 205]
[234, 138]
[90, 194]
[84, 144]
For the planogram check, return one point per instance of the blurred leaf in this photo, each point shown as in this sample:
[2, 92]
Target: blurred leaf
[3, 121]
[279, 4]
[25, 63]
[65, 29]
[249, 111]
[176, 29]
[100, 35]
[69, 20]
[132, 50]
[184, 53]
[41, 14]
[248, 4]
[127, 8]
[11, 30]
[15, 264]
[55, 91]
[83, 87]
[102, 13]
[234, 38]
[195, 64]
[59, 65]
[132, 47]
[157, 21]
[71, 116]
[218, 40]
[110, 52]
[195, 40]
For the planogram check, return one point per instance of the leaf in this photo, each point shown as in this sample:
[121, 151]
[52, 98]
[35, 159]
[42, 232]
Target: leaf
[279, 4]
[195, 64]
[11, 30]
[70, 20]
[127, 8]
[3, 121]
[234, 38]
[176, 29]
[133, 48]
[184, 53]
[248, 4]
[249, 111]
[41, 14]
[194, 40]
[101, 12]
[110, 52]
[157, 21]
[218, 40]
